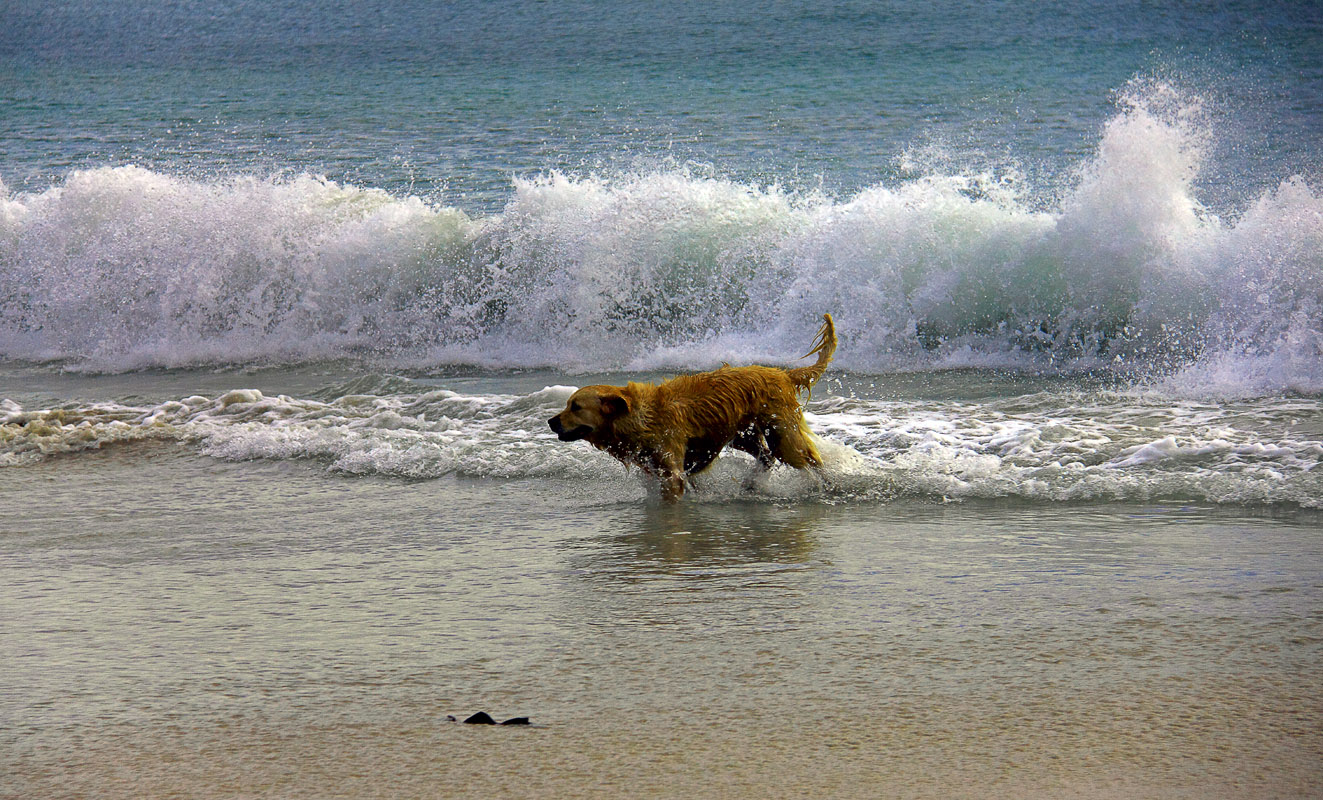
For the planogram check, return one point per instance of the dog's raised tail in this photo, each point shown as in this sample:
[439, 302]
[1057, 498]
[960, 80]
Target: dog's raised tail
[824, 346]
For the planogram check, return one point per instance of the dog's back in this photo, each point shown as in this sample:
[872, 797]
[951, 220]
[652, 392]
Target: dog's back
[725, 400]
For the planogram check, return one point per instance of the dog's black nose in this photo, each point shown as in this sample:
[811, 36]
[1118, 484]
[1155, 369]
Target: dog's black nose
[554, 422]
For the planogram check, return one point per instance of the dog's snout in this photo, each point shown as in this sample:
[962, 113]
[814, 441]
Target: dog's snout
[554, 422]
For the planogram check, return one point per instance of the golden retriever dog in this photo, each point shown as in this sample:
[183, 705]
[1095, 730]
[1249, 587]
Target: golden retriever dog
[675, 429]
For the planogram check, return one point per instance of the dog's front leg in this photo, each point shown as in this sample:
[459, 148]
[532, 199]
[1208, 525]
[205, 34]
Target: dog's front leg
[672, 487]
[670, 472]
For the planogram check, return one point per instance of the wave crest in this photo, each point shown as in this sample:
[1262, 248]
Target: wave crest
[123, 268]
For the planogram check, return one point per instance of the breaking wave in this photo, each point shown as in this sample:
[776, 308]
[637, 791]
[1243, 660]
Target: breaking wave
[124, 268]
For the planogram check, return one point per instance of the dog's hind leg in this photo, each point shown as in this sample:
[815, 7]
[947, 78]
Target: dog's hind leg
[799, 451]
[795, 447]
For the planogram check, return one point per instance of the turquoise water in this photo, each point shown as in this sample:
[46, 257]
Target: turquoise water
[450, 102]
[288, 291]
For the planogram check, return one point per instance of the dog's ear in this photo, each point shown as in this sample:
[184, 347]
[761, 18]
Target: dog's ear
[614, 405]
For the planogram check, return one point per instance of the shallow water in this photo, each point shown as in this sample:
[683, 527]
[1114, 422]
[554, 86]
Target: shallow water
[183, 625]
[216, 591]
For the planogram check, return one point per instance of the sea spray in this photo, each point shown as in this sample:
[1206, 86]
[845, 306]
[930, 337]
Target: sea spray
[592, 270]
[1264, 285]
[123, 268]
[1121, 231]
[126, 268]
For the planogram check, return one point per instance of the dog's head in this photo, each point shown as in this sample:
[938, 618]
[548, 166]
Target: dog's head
[588, 411]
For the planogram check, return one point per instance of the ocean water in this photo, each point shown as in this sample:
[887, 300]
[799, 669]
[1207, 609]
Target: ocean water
[289, 290]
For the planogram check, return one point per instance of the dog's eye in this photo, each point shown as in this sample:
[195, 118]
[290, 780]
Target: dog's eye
[574, 406]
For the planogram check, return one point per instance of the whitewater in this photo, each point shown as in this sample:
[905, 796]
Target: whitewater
[122, 268]
[1055, 445]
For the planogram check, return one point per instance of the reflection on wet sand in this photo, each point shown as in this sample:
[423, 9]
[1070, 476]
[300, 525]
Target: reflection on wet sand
[679, 540]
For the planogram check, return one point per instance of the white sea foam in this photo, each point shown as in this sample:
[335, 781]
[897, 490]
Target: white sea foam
[1054, 447]
[122, 268]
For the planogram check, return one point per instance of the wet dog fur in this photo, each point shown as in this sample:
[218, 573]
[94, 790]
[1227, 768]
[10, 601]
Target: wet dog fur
[676, 429]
